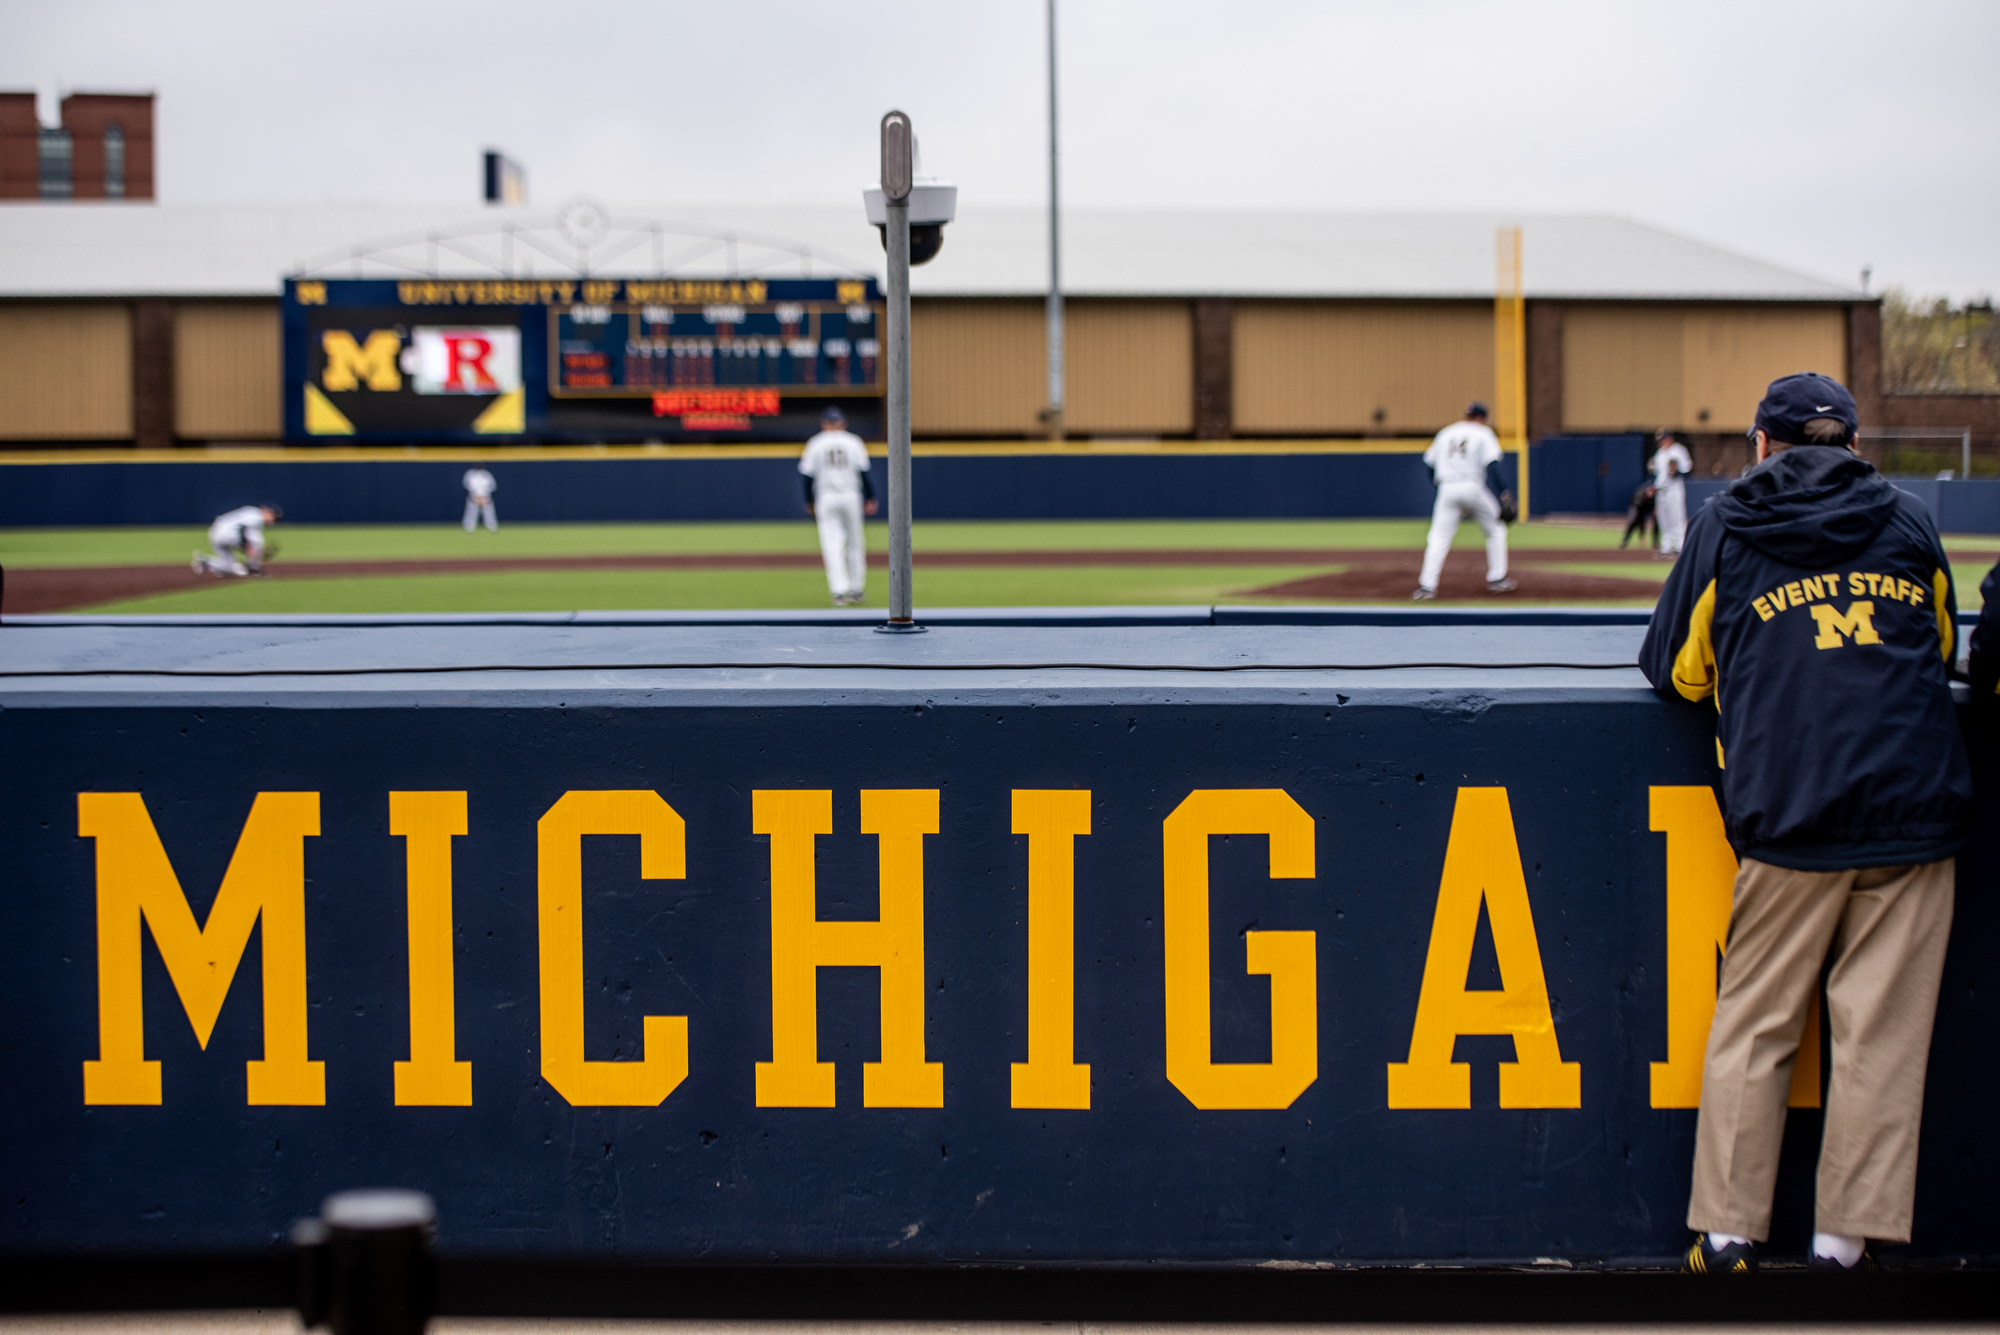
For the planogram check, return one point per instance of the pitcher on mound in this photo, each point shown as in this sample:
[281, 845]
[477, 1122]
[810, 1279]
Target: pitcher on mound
[1464, 461]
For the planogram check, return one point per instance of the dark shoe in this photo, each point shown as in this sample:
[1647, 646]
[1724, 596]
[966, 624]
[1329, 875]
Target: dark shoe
[1827, 1263]
[1424, 596]
[1738, 1258]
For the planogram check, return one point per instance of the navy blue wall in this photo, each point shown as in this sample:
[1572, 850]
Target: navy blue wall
[1209, 486]
[1585, 474]
[1963, 505]
[1570, 474]
[1034, 486]
[708, 1174]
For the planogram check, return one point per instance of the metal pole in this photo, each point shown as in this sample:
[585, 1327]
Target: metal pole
[899, 415]
[1965, 452]
[1055, 408]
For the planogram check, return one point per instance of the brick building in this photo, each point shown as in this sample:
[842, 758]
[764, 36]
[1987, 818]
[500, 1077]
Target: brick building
[102, 149]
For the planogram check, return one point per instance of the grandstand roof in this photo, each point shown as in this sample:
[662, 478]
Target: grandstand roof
[98, 249]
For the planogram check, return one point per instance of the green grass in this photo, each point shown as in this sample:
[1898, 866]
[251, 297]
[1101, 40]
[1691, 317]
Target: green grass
[554, 591]
[26, 548]
[1080, 585]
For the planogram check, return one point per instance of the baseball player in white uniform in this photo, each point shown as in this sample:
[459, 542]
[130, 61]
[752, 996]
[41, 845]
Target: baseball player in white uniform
[1670, 466]
[838, 493]
[479, 489]
[238, 542]
[1464, 462]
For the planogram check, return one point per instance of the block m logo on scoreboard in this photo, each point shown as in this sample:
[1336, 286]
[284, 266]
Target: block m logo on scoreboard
[371, 362]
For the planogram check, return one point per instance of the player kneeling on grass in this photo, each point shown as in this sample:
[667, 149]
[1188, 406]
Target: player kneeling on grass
[835, 465]
[1814, 606]
[1465, 468]
[238, 540]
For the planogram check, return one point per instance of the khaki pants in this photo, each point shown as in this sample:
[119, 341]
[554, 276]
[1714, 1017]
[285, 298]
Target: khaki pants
[1885, 929]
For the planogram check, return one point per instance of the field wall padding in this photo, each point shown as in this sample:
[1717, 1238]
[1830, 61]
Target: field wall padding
[1572, 474]
[801, 943]
[637, 490]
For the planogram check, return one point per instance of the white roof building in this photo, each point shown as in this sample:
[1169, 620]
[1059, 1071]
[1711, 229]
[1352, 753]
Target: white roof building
[145, 250]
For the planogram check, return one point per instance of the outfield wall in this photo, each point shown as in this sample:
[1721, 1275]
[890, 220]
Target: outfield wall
[1581, 474]
[792, 943]
[637, 485]
[1958, 505]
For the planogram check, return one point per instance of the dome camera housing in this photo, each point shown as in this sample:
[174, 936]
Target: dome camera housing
[932, 205]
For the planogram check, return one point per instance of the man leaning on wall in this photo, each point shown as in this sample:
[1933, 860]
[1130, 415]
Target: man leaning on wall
[1814, 605]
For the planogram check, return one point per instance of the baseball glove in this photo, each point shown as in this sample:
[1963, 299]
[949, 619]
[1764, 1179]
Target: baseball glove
[1508, 514]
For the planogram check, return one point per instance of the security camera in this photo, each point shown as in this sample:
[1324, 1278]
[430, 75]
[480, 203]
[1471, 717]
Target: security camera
[933, 203]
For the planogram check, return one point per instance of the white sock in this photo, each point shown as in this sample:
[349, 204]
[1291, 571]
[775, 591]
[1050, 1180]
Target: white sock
[1720, 1240]
[1838, 1246]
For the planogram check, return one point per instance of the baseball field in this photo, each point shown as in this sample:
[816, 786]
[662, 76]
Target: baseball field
[559, 567]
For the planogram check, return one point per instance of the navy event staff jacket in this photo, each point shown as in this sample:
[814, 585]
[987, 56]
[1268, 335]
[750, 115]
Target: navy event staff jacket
[1813, 603]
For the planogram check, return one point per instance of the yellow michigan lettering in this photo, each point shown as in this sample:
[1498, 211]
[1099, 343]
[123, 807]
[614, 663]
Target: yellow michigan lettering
[348, 365]
[559, 900]
[1482, 863]
[1701, 880]
[1857, 622]
[427, 823]
[1288, 957]
[801, 945]
[1052, 819]
[136, 883]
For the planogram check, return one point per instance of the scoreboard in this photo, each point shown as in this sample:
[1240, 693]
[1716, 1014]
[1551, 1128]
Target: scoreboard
[587, 360]
[814, 347]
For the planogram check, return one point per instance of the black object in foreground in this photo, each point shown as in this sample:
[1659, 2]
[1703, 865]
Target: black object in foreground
[365, 1264]
[542, 1287]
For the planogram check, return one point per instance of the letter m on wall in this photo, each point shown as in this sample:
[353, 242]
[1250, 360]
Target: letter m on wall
[136, 883]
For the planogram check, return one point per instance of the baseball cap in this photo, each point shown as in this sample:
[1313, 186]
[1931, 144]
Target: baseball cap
[833, 415]
[1792, 401]
[1475, 409]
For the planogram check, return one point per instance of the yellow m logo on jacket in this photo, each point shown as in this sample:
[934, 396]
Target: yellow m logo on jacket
[1858, 624]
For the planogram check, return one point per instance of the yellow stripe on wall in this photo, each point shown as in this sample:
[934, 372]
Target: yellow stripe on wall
[327, 454]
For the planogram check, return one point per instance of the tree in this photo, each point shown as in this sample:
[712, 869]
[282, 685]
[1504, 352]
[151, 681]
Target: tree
[1930, 346]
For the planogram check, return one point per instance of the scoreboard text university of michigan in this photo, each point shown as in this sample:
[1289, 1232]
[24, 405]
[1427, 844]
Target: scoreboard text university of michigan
[582, 360]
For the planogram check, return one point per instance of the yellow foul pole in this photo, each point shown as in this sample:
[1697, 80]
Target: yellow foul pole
[1510, 356]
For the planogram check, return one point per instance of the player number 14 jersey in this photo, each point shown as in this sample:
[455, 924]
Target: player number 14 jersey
[1461, 452]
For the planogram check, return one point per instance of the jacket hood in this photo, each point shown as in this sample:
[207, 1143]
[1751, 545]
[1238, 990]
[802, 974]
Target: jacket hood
[1809, 505]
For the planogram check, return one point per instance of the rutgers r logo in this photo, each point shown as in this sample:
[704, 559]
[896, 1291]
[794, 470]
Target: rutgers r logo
[466, 355]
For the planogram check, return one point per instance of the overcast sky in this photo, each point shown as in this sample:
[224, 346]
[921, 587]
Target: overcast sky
[1822, 135]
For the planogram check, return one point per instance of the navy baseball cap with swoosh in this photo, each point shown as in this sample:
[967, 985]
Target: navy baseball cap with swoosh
[1792, 401]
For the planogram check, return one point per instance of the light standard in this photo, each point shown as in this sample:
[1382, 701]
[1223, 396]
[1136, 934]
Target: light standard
[1053, 414]
[909, 216]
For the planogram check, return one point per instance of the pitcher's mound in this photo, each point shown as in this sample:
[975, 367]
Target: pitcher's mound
[1467, 581]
